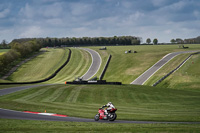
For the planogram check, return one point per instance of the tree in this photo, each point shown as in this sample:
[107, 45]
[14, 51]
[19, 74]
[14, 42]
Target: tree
[179, 40]
[148, 40]
[155, 41]
[173, 41]
[4, 44]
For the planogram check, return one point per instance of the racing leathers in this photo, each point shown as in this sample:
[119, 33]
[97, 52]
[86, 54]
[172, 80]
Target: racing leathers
[109, 105]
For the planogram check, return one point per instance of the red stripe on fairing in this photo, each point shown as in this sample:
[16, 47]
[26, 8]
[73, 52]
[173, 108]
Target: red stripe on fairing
[31, 112]
[59, 115]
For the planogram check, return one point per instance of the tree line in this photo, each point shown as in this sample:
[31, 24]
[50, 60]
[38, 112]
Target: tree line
[186, 41]
[18, 50]
[85, 41]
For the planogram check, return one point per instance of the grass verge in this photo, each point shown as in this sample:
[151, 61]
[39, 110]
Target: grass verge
[40, 67]
[187, 77]
[133, 102]
[127, 67]
[50, 126]
[171, 65]
[78, 65]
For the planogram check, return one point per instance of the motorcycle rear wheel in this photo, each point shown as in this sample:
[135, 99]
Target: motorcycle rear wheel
[112, 117]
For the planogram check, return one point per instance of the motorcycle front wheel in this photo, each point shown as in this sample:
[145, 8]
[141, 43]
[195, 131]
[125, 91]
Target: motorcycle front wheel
[96, 117]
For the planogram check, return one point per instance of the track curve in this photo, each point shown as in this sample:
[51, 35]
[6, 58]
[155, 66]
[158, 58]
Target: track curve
[148, 73]
[96, 63]
[11, 114]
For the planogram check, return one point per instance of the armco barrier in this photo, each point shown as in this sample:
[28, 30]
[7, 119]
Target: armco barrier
[43, 80]
[160, 80]
[105, 68]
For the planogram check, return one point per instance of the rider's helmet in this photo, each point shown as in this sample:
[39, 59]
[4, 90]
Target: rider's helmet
[109, 103]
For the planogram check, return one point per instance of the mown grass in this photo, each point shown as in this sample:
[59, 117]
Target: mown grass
[47, 63]
[78, 65]
[41, 66]
[187, 77]
[127, 67]
[50, 126]
[133, 102]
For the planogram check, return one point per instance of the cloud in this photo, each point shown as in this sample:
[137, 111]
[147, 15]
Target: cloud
[32, 31]
[4, 13]
[27, 11]
[162, 19]
[52, 10]
[80, 8]
[168, 31]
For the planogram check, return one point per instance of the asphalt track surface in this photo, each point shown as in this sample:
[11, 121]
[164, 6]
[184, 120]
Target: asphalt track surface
[147, 74]
[96, 63]
[14, 89]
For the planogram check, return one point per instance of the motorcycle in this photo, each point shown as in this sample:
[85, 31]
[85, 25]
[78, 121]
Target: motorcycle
[111, 116]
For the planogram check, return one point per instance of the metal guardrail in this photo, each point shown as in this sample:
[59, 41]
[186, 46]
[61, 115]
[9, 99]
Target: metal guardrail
[105, 68]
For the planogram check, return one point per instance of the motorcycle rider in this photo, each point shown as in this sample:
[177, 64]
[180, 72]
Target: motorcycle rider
[109, 105]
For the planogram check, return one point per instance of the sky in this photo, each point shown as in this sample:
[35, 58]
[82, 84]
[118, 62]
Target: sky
[161, 19]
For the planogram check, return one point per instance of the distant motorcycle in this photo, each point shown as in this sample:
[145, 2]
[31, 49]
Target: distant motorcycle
[111, 116]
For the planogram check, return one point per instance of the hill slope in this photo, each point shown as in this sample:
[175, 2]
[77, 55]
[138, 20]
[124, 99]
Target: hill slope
[40, 67]
[133, 102]
[127, 67]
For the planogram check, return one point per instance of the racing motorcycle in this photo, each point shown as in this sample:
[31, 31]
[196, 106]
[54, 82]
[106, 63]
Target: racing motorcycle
[111, 116]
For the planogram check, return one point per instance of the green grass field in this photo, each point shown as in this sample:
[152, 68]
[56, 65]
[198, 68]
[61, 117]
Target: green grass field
[187, 77]
[127, 67]
[78, 65]
[175, 99]
[40, 67]
[133, 102]
[16, 126]
[130, 67]
[166, 69]
[47, 63]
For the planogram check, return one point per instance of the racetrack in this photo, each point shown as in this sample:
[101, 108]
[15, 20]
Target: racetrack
[148, 73]
[11, 114]
[96, 63]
